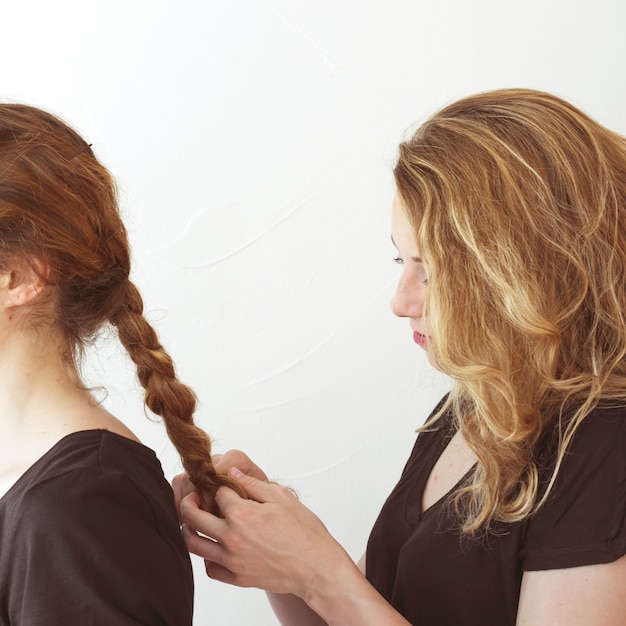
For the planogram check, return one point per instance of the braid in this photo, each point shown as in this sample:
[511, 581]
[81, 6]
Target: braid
[167, 397]
[58, 204]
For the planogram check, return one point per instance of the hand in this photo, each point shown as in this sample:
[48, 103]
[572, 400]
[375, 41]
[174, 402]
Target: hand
[236, 458]
[270, 541]
[182, 486]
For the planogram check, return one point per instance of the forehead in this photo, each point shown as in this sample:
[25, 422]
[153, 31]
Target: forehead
[401, 229]
[396, 205]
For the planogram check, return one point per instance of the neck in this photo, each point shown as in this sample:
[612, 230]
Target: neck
[35, 380]
[41, 401]
[39, 397]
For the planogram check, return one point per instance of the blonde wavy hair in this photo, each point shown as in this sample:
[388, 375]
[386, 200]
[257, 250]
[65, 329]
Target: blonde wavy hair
[518, 201]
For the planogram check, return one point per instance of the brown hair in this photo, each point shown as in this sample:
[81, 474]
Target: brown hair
[518, 201]
[58, 206]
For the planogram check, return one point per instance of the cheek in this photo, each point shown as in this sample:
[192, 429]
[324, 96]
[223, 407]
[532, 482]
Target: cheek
[419, 291]
[432, 360]
[411, 291]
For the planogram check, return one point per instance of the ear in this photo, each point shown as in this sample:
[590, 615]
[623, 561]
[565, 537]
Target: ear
[21, 285]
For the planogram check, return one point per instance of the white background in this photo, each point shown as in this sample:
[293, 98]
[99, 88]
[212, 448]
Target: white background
[253, 142]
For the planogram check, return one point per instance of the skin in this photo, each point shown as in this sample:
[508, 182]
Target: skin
[408, 302]
[40, 399]
[274, 542]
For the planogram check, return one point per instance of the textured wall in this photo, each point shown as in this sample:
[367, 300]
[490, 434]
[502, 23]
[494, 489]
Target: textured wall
[253, 142]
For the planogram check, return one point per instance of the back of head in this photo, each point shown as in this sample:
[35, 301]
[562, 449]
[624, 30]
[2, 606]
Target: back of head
[59, 215]
[518, 201]
[58, 206]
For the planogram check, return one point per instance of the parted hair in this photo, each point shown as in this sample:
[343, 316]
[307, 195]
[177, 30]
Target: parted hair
[59, 210]
[518, 203]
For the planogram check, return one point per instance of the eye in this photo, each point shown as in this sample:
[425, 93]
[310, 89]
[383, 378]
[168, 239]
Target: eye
[398, 261]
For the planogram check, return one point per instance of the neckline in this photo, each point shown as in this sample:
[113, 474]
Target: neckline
[445, 497]
[443, 434]
[87, 434]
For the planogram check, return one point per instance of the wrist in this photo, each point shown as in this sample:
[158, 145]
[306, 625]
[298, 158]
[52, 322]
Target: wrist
[342, 595]
[338, 592]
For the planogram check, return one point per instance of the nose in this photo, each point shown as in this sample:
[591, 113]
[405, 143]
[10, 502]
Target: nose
[408, 300]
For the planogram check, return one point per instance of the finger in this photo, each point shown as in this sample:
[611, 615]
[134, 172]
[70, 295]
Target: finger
[237, 458]
[218, 572]
[226, 498]
[188, 505]
[202, 546]
[177, 488]
[199, 520]
[182, 486]
[256, 489]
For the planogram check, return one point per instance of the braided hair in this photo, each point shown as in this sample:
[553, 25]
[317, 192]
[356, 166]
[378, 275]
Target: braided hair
[59, 212]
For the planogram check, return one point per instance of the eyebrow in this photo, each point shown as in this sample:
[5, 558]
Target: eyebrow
[416, 259]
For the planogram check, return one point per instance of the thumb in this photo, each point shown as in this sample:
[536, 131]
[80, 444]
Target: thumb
[255, 489]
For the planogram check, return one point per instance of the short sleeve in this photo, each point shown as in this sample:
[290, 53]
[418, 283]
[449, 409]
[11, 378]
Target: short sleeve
[583, 521]
[93, 549]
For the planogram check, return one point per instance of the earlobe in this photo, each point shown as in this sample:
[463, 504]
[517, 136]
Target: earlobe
[21, 286]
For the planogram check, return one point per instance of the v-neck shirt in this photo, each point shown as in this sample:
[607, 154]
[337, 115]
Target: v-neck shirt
[432, 574]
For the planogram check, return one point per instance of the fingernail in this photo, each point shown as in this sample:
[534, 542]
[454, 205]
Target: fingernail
[235, 473]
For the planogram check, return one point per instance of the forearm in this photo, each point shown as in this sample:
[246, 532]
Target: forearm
[292, 611]
[342, 596]
[363, 608]
[272, 541]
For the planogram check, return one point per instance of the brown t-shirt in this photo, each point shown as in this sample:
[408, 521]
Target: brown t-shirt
[89, 535]
[432, 575]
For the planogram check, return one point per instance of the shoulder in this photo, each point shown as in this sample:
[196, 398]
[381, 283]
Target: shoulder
[93, 449]
[96, 471]
[583, 520]
[98, 517]
[92, 485]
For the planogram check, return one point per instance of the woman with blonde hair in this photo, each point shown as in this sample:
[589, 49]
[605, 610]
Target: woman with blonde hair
[88, 528]
[510, 223]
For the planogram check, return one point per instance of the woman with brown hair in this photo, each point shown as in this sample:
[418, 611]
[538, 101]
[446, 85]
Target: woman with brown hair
[510, 223]
[88, 529]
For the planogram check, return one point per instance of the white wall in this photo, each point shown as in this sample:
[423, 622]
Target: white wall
[253, 142]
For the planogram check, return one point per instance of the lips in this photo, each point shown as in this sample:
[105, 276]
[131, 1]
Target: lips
[419, 339]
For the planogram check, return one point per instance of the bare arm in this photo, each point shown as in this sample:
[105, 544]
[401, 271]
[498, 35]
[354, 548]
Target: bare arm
[361, 564]
[578, 596]
[274, 542]
[292, 611]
